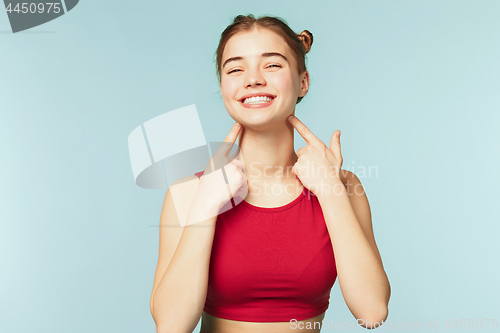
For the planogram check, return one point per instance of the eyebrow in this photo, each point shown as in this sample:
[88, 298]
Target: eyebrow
[266, 54]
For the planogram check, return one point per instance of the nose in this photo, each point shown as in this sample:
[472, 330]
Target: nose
[254, 78]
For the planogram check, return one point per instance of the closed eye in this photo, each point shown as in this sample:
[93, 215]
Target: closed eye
[235, 70]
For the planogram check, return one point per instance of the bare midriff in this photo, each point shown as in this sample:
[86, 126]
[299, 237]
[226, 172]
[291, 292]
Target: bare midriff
[212, 324]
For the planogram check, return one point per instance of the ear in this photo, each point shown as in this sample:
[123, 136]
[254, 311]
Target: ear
[304, 84]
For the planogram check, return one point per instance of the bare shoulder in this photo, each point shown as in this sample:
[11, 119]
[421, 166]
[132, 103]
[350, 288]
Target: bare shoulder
[355, 190]
[184, 179]
[179, 195]
[351, 183]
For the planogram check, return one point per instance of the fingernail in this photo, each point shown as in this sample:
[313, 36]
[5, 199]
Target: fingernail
[291, 117]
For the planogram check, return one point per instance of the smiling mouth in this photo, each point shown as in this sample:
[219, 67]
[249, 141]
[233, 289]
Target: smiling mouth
[257, 100]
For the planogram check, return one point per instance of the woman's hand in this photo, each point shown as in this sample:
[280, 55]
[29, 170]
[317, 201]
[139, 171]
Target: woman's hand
[317, 167]
[213, 188]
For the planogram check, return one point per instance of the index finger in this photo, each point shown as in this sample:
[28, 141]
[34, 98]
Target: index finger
[228, 143]
[233, 134]
[303, 130]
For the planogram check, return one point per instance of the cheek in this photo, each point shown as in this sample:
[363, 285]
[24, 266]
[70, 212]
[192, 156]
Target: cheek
[228, 89]
[287, 85]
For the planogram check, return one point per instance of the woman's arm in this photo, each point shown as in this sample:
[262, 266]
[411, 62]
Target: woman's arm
[178, 300]
[180, 292]
[362, 278]
[361, 275]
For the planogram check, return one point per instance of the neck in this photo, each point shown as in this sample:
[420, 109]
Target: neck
[268, 154]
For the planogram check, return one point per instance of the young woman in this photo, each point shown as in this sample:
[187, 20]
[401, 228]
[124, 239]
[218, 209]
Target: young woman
[268, 264]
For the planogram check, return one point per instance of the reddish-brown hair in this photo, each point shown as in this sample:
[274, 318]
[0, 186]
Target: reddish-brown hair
[299, 44]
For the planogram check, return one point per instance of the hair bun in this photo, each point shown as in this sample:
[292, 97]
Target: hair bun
[306, 38]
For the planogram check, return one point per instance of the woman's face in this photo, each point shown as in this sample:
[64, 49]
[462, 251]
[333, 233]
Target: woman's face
[260, 63]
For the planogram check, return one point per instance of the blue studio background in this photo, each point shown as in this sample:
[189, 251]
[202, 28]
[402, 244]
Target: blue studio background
[413, 86]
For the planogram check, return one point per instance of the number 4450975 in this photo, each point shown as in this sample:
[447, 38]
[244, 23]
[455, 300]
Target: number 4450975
[34, 8]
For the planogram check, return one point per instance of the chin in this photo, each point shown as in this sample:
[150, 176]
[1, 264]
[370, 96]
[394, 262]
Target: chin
[258, 117]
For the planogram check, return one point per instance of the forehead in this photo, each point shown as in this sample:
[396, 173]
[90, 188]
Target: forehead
[254, 43]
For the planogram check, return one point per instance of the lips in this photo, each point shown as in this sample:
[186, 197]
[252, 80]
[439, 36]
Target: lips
[257, 94]
[257, 105]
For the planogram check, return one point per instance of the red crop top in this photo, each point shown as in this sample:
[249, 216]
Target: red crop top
[271, 264]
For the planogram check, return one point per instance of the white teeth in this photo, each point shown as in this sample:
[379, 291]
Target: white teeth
[257, 100]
